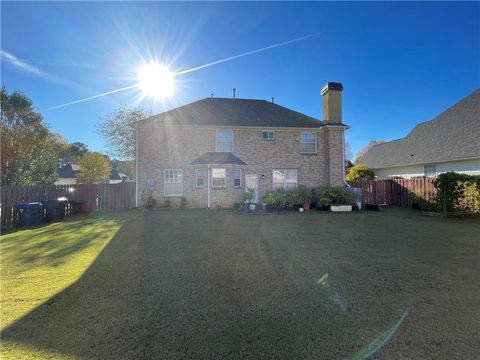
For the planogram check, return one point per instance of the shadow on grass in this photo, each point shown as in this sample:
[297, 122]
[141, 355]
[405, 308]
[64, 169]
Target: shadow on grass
[196, 284]
[53, 244]
[85, 317]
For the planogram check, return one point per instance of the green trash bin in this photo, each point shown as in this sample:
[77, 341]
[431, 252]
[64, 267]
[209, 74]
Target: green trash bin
[54, 209]
[28, 214]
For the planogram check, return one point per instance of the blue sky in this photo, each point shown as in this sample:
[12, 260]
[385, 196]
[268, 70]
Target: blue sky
[400, 63]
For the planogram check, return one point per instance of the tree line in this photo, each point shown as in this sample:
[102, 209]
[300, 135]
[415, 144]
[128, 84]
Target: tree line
[31, 154]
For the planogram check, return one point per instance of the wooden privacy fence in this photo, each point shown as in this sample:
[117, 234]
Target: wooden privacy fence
[403, 192]
[94, 197]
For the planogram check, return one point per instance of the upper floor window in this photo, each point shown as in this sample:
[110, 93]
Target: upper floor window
[224, 141]
[308, 142]
[285, 179]
[173, 182]
[268, 135]
[430, 170]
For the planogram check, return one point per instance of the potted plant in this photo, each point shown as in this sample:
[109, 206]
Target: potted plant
[292, 200]
[323, 203]
[304, 197]
[246, 203]
[340, 200]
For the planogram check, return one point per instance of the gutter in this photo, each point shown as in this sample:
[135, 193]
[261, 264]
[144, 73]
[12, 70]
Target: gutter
[209, 190]
[136, 166]
[343, 160]
[424, 162]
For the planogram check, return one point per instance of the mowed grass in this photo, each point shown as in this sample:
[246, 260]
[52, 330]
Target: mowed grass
[218, 284]
[40, 262]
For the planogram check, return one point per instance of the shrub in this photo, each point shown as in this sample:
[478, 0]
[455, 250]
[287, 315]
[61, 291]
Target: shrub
[298, 197]
[166, 204]
[326, 196]
[320, 196]
[247, 196]
[305, 195]
[360, 172]
[183, 203]
[456, 191]
[472, 197]
[292, 199]
[275, 198]
[148, 202]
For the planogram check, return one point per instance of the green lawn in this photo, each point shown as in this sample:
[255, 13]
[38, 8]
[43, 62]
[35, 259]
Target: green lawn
[218, 284]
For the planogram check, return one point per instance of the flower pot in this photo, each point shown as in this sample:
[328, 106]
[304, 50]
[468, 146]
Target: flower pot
[340, 208]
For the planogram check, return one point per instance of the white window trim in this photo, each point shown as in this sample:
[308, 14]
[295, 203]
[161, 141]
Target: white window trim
[239, 186]
[269, 131]
[225, 183]
[285, 178]
[196, 179]
[164, 183]
[233, 140]
[314, 136]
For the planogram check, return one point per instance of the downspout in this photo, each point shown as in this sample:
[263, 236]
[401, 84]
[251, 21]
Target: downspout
[136, 165]
[343, 158]
[208, 186]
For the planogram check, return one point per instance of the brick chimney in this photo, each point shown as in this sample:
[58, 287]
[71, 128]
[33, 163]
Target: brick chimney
[332, 103]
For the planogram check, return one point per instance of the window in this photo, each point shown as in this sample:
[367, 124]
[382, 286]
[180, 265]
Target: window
[173, 182]
[224, 140]
[430, 170]
[308, 142]
[219, 177]
[268, 135]
[199, 178]
[237, 178]
[285, 179]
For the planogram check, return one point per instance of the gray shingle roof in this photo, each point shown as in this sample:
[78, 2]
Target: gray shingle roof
[218, 158]
[234, 112]
[69, 171]
[452, 135]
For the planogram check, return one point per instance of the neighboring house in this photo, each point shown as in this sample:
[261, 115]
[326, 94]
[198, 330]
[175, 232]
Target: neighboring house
[449, 142]
[67, 175]
[118, 177]
[212, 150]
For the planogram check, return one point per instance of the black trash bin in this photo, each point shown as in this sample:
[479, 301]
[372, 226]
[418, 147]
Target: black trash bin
[55, 209]
[28, 214]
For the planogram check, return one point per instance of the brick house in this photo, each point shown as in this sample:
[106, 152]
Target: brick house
[212, 150]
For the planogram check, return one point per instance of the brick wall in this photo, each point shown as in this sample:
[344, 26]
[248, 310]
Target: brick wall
[162, 148]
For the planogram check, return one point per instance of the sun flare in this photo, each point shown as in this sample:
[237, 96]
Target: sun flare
[156, 80]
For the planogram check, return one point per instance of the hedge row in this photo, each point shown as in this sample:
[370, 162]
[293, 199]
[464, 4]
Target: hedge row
[319, 197]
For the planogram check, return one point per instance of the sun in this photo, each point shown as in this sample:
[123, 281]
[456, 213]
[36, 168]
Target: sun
[156, 80]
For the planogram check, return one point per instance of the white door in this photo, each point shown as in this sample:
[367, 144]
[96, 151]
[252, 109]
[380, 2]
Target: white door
[251, 183]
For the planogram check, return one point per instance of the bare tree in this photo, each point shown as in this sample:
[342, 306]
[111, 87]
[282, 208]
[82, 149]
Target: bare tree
[118, 131]
[362, 152]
